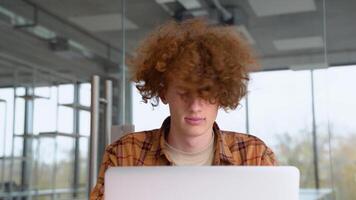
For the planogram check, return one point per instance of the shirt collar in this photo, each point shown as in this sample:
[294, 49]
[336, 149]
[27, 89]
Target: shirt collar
[222, 153]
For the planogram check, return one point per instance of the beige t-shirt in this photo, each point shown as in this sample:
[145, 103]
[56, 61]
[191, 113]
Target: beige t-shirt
[203, 157]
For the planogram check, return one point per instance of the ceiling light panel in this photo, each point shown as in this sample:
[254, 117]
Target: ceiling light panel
[105, 22]
[199, 13]
[164, 1]
[190, 4]
[277, 7]
[299, 43]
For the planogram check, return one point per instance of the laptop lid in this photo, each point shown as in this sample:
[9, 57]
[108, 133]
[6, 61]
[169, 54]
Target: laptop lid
[206, 183]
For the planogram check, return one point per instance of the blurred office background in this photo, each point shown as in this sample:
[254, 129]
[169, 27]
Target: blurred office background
[302, 102]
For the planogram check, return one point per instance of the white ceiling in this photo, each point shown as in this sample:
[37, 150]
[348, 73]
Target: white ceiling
[103, 22]
[264, 8]
[299, 43]
[284, 33]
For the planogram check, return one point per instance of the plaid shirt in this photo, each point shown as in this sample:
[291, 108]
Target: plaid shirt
[147, 149]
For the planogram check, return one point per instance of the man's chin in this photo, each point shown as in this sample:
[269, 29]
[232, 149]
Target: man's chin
[194, 131]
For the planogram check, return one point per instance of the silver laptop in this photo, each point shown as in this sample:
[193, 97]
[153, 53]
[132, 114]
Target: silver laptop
[202, 183]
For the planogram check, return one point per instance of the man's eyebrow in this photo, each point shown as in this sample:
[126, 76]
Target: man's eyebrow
[181, 88]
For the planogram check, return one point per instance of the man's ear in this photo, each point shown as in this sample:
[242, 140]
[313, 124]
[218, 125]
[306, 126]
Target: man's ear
[163, 99]
[162, 96]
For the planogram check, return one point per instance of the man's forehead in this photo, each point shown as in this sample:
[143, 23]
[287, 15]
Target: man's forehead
[179, 88]
[177, 84]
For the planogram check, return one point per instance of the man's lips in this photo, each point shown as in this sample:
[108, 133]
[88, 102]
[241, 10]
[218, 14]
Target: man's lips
[194, 120]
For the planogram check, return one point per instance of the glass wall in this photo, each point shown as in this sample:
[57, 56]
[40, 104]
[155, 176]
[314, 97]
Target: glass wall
[42, 163]
[335, 112]
[49, 53]
[283, 119]
[301, 100]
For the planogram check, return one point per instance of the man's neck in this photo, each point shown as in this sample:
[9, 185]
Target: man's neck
[189, 144]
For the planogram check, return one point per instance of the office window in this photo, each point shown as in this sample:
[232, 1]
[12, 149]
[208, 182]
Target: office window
[64, 162]
[6, 120]
[19, 111]
[84, 94]
[335, 118]
[3, 116]
[46, 163]
[45, 110]
[84, 123]
[83, 161]
[65, 119]
[280, 114]
[233, 120]
[144, 116]
[66, 93]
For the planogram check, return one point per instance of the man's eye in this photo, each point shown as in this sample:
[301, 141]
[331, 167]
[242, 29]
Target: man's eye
[182, 94]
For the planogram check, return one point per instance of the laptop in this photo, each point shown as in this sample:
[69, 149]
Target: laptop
[201, 182]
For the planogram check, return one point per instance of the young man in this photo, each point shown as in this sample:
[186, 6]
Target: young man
[196, 69]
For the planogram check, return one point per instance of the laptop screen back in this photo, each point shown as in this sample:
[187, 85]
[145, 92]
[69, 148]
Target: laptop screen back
[206, 183]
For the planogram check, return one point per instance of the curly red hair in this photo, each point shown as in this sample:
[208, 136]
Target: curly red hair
[211, 61]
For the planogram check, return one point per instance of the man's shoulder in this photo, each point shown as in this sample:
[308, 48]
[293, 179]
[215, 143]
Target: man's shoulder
[248, 149]
[236, 137]
[136, 139]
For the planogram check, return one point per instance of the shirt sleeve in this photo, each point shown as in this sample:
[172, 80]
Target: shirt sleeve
[268, 158]
[109, 160]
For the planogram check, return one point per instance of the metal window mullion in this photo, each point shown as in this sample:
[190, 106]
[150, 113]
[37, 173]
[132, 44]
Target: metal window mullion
[314, 134]
[31, 123]
[27, 144]
[94, 130]
[4, 145]
[54, 173]
[13, 132]
[123, 71]
[128, 101]
[36, 165]
[247, 115]
[76, 132]
[108, 111]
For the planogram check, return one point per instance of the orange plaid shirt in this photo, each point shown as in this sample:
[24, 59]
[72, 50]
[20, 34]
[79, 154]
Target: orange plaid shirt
[147, 149]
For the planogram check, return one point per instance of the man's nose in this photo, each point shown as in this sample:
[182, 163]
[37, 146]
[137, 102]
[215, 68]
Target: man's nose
[195, 104]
